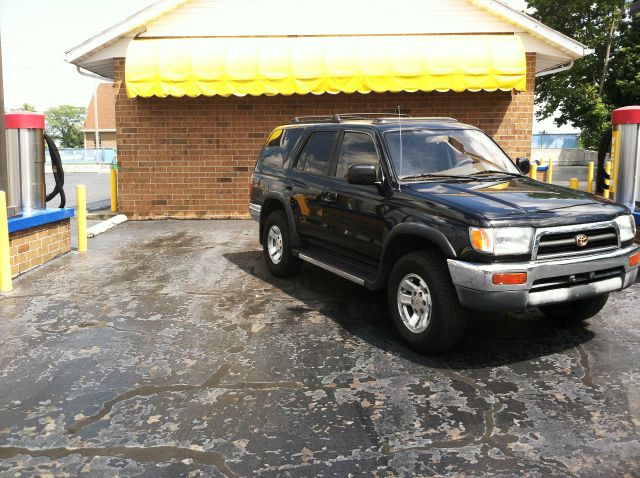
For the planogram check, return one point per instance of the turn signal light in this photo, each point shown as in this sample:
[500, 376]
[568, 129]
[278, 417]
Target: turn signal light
[512, 278]
[481, 240]
[634, 260]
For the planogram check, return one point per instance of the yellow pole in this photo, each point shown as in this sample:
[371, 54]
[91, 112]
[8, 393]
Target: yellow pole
[81, 194]
[114, 190]
[607, 169]
[5, 255]
[533, 171]
[590, 178]
[574, 183]
[550, 172]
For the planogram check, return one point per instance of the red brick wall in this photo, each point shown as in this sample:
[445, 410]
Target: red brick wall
[35, 246]
[192, 157]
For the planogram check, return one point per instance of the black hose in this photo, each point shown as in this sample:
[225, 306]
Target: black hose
[603, 150]
[58, 172]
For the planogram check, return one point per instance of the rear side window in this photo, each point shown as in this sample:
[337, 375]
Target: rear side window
[315, 157]
[278, 148]
[356, 148]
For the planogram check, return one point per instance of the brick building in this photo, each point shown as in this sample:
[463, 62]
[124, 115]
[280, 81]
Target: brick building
[103, 107]
[199, 84]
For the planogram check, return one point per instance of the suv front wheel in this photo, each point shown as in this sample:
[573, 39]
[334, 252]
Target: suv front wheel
[276, 244]
[423, 303]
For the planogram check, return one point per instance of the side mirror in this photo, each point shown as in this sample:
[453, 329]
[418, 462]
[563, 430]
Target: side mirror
[524, 165]
[363, 174]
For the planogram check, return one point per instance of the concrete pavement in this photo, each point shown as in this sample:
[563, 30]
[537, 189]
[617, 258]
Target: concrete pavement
[168, 349]
[97, 185]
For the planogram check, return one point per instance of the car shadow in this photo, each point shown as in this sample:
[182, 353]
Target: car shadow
[490, 340]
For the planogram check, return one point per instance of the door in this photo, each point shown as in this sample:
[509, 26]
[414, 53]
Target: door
[307, 184]
[356, 217]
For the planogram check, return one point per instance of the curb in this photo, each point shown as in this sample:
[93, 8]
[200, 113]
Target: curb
[104, 226]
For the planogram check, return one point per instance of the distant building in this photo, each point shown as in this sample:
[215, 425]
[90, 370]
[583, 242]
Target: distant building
[106, 109]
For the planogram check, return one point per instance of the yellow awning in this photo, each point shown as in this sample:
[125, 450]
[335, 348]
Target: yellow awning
[287, 66]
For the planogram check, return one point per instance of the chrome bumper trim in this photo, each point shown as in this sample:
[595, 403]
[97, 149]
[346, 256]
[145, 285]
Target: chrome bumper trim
[254, 210]
[476, 289]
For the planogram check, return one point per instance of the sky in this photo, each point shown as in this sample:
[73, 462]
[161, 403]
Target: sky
[36, 34]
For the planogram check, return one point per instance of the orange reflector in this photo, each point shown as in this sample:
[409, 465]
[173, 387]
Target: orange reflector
[512, 278]
[634, 260]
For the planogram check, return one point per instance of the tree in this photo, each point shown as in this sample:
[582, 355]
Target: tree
[64, 124]
[585, 95]
[27, 107]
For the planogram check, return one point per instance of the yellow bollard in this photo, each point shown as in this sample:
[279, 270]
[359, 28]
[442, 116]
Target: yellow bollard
[81, 210]
[574, 183]
[607, 170]
[550, 172]
[533, 171]
[5, 255]
[590, 178]
[114, 190]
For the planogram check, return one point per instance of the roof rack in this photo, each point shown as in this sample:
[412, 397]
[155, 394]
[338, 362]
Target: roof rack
[442, 119]
[339, 118]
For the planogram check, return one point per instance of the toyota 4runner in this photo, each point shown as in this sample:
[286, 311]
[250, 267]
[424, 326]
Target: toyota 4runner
[437, 214]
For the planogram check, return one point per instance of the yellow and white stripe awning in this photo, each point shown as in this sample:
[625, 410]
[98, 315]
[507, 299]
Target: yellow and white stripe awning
[302, 65]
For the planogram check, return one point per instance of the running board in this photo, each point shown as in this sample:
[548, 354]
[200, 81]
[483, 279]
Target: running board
[346, 267]
[328, 267]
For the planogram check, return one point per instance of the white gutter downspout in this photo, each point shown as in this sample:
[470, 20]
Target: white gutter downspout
[88, 74]
[553, 71]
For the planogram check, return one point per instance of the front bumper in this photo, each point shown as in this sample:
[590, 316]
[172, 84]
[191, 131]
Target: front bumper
[476, 290]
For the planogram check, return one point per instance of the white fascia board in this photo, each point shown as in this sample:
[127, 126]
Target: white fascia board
[127, 26]
[536, 28]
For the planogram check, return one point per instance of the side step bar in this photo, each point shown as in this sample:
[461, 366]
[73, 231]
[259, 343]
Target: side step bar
[330, 268]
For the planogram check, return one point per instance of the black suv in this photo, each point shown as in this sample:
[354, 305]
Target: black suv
[435, 212]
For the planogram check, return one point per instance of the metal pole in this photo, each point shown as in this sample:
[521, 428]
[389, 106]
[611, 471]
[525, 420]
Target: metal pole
[96, 134]
[590, 178]
[5, 247]
[81, 212]
[4, 170]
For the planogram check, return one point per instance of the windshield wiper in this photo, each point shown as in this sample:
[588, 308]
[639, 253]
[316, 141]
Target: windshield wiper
[491, 172]
[434, 176]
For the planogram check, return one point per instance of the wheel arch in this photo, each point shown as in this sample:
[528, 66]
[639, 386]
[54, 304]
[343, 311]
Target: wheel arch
[277, 202]
[406, 238]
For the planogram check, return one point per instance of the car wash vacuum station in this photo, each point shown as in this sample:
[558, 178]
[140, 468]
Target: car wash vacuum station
[625, 155]
[22, 179]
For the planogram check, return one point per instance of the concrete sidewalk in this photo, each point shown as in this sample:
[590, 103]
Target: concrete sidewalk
[168, 349]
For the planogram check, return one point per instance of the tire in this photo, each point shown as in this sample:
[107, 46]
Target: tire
[443, 325]
[575, 311]
[279, 259]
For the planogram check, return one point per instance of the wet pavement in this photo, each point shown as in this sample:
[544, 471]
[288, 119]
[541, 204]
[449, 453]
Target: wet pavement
[169, 350]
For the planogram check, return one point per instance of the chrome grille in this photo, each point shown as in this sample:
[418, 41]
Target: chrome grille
[575, 240]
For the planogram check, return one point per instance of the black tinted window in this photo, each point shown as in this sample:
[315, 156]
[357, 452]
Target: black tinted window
[356, 148]
[316, 155]
[278, 147]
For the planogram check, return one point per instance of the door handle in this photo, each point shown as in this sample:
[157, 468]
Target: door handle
[288, 186]
[329, 197]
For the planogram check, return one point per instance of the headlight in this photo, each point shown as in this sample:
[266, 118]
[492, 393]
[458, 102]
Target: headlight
[627, 226]
[501, 241]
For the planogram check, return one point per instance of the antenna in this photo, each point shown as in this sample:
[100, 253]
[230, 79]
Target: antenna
[400, 124]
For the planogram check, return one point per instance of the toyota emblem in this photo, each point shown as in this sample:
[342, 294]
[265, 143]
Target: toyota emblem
[582, 240]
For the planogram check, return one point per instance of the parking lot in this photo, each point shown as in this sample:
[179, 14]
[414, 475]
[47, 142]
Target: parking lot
[168, 349]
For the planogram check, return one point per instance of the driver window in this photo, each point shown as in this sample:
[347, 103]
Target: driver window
[356, 148]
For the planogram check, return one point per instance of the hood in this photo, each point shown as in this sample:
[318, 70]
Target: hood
[518, 198]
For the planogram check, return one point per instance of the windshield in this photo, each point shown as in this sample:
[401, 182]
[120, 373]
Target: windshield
[455, 152]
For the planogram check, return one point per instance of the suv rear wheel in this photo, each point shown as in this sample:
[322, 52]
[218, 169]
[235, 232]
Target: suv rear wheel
[575, 311]
[423, 303]
[276, 245]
